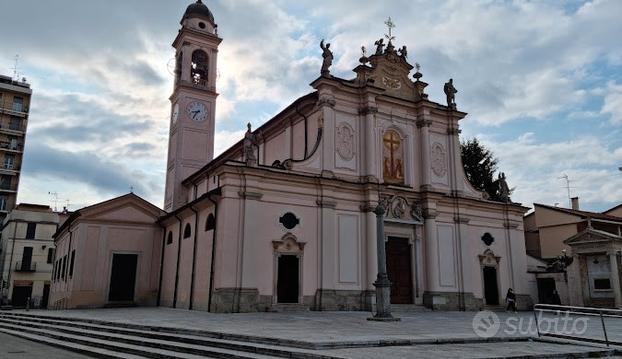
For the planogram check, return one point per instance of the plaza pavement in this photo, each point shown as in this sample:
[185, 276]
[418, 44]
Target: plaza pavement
[425, 334]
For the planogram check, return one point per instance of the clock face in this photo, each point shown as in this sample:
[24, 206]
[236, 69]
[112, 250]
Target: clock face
[197, 111]
[175, 112]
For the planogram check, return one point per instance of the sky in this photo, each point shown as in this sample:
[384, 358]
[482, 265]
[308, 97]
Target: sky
[541, 81]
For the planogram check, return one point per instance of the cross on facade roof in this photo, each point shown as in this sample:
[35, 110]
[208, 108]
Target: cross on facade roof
[390, 24]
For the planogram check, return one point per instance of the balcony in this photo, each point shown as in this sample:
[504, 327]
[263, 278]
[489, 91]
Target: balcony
[10, 109]
[12, 146]
[25, 267]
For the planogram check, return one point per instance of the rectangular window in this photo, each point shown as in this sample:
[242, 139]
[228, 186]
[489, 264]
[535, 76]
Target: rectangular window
[50, 255]
[54, 272]
[26, 258]
[64, 266]
[13, 145]
[31, 230]
[3, 202]
[5, 182]
[15, 123]
[602, 284]
[73, 257]
[9, 161]
[18, 104]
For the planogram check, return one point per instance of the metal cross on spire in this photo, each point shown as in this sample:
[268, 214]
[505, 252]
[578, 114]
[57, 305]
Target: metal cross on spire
[390, 24]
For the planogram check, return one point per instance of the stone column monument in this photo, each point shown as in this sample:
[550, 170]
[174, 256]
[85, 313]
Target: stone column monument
[382, 284]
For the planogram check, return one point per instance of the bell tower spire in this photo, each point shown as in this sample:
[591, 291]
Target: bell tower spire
[193, 102]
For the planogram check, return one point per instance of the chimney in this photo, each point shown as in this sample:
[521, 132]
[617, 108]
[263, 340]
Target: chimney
[575, 203]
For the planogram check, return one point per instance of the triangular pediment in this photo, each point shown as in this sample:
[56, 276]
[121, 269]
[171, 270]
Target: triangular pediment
[127, 208]
[591, 235]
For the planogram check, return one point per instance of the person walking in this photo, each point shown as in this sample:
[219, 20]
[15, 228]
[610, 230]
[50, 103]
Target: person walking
[510, 298]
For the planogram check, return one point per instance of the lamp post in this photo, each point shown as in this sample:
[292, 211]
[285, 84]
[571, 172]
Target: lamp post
[382, 283]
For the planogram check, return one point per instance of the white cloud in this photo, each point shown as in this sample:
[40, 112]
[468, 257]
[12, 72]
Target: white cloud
[612, 105]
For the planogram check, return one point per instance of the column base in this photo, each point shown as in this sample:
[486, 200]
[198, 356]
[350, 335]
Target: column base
[384, 319]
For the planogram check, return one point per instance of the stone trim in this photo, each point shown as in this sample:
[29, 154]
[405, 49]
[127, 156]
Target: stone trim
[250, 195]
[323, 203]
[451, 301]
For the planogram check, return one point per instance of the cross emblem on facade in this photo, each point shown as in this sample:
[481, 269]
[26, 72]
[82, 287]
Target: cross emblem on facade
[390, 24]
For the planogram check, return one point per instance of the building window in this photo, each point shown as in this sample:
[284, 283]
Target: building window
[169, 238]
[31, 230]
[210, 223]
[187, 231]
[50, 255]
[199, 68]
[3, 201]
[15, 123]
[64, 266]
[9, 161]
[5, 182]
[18, 104]
[393, 157]
[602, 284]
[73, 258]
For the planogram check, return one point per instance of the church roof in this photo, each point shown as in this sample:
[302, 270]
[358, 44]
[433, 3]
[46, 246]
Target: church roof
[198, 9]
[582, 214]
[229, 154]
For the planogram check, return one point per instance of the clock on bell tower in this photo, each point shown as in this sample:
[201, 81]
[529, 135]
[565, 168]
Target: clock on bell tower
[193, 102]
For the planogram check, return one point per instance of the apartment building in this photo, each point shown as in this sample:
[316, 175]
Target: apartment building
[27, 254]
[14, 106]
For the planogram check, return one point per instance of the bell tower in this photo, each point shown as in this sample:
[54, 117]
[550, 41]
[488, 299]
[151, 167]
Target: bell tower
[193, 102]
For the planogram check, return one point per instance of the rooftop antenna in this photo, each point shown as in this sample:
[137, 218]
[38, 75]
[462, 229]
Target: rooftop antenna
[567, 186]
[67, 204]
[54, 200]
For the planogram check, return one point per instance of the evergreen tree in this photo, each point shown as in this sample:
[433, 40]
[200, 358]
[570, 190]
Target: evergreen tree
[480, 166]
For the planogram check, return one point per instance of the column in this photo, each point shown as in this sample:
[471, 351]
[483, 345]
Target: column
[383, 286]
[424, 126]
[370, 143]
[615, 279]
[372, 255]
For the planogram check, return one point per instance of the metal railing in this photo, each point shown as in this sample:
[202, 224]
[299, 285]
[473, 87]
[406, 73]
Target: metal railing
[583, 312]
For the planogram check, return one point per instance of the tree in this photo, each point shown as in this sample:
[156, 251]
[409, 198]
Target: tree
[480, 166]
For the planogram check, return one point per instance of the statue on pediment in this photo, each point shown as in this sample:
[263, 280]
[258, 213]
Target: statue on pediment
[450, 92]
[379, 46]
[250, 143]
[403, 52]
[328, 58]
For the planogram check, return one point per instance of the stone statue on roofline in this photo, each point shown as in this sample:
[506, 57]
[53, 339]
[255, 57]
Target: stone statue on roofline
[403, 52]
[328, 58]
[504, 189]
[250, 144]
[450, 92]
[379, 46]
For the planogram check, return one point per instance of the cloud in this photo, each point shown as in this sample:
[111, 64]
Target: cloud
[612, 105]
[86, 167]
[536, 167]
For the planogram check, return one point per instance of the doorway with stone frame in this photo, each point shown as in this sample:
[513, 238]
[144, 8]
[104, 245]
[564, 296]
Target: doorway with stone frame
[489, 263]
[288, 260]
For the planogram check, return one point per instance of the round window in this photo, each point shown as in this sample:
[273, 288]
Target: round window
[202, 25]
[289, 220]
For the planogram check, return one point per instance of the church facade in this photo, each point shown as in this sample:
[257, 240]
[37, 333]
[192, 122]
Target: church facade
[284, 218]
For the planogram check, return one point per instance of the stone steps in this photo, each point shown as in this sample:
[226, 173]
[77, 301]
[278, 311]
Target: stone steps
[110, 341]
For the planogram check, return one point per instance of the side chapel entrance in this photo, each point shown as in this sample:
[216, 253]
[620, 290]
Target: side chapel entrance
[288, 254]
[122, 277]
[399, 269]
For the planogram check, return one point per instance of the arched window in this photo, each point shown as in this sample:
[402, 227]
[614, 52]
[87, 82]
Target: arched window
[199, 68]
[393, 153]
[187, 231]
[210, 223]
[169, 238]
